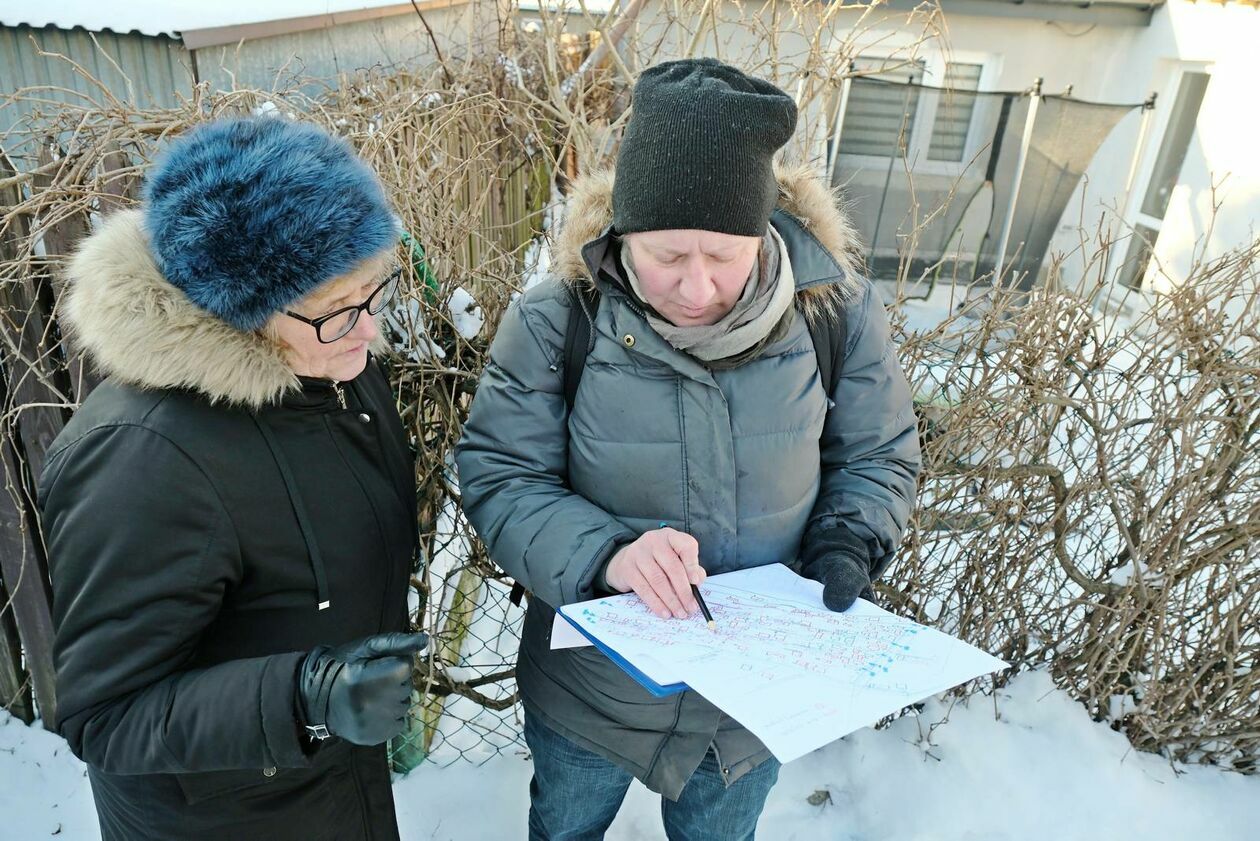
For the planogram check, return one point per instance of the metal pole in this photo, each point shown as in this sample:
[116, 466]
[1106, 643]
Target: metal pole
[1148, 111]
[1148, 108]
[845, 86]
[1034, 101]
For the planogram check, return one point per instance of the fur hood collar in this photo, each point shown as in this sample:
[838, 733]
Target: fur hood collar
[140, 329]
[802, 195]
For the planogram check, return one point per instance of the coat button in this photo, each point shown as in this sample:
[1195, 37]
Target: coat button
[628, 340]
[269, 771]
[365, 417]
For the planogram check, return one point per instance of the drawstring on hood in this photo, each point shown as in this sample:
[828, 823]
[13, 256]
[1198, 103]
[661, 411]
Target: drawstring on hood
[322, 598]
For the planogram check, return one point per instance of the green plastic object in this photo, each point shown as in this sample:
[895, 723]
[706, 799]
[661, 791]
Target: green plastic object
[421, 266]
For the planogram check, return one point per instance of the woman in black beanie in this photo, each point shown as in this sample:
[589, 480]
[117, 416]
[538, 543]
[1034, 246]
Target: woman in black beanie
[703, 437]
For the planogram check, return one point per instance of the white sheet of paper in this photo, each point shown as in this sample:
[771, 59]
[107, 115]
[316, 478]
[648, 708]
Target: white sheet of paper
[564, 635]
[794, 673]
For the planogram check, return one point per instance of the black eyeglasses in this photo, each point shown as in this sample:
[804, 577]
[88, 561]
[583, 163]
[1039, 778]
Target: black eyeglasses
[329, 328]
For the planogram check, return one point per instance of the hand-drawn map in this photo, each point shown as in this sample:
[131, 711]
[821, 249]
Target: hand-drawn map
[794, 673]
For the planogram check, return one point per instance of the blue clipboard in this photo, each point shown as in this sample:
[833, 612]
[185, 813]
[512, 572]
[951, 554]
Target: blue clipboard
[660, 690]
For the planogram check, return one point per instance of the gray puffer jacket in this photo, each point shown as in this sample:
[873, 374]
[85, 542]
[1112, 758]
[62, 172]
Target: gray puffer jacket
[752, 461]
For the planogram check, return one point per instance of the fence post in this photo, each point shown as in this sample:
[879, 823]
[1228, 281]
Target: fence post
[72, 375]
[15, 682]
[32, 417]
[1126, 210]
[845, 87]
[37, 396]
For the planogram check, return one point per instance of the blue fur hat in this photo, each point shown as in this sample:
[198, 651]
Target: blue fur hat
[247, 216]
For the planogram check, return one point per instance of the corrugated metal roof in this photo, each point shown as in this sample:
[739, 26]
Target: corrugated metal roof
[168, 17]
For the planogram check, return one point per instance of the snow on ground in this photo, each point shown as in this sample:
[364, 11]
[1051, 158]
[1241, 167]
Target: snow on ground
[43, 789]
[1038, 770]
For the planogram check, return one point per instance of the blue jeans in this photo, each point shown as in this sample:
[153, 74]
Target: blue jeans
[575, 794]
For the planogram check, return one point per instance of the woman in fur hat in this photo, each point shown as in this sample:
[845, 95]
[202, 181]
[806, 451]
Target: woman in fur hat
[230, 516]
[705, 437]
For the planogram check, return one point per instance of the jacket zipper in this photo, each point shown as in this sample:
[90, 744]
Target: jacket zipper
[341, 394]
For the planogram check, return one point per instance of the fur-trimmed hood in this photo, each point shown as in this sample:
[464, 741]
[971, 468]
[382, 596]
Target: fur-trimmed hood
[137, 327]
[802, 195]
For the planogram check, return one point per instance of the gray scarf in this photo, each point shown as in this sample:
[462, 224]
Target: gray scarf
[758, 317]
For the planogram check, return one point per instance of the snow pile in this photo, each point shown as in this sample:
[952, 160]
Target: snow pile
[1040, 770]
[466, 315]
[1028, 766]
[43, 788]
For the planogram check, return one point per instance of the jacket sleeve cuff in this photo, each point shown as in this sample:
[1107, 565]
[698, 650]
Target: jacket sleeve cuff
[600, 584]
[282, 733]
[594, 584]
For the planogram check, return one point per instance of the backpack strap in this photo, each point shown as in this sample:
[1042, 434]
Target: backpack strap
[577, 344]
[577, 338]
[830, 335]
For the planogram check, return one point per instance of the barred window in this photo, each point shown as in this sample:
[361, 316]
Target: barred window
[883, 111]
[879, 119]
[954, 109]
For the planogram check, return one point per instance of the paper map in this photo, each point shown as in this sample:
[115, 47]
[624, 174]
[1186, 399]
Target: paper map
[794, 673]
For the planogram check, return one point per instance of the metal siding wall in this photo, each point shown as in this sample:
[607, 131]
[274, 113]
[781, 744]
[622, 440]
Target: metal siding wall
[157, 66]
[325, 53]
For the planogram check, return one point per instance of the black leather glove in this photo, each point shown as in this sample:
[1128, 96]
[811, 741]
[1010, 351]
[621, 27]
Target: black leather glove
[359, 691]
[839, 560]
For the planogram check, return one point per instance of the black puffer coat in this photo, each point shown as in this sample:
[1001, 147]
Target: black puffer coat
[209, 519]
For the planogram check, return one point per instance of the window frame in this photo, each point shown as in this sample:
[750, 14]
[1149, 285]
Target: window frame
[1145, 176]
[920, 139]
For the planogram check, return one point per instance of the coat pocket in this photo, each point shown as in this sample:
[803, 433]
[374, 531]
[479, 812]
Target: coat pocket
[331, 758]
[198, 787]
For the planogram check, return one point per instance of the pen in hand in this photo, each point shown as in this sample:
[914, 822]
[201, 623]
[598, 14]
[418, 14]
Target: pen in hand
[695, 591]
[658, 567]
[704, 608]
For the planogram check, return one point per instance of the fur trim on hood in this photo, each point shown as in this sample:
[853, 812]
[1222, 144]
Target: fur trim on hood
[137, 327]
[801, 194]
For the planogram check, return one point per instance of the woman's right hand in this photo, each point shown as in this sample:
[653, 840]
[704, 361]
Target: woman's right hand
[660, 568]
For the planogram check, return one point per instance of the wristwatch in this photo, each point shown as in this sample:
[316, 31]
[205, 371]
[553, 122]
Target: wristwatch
[318, 732]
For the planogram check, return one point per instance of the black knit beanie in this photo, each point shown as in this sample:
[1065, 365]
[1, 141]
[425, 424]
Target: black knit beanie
[698, 149]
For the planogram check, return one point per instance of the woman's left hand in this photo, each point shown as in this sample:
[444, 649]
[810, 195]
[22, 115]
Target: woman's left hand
[359, 691]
